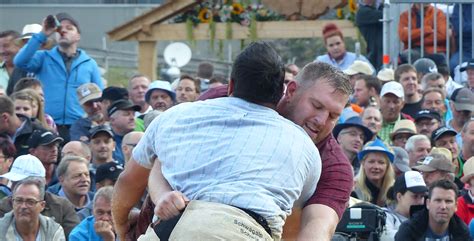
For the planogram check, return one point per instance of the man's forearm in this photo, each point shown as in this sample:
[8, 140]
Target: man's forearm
[157, 183]
[318, 222]
[128, 190]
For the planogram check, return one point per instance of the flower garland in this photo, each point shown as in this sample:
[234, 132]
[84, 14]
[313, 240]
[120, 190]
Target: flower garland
[245, 13]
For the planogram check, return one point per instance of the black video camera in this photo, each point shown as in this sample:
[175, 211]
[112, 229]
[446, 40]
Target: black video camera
[363, 221]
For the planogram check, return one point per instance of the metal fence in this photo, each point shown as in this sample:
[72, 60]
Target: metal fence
[393, 47]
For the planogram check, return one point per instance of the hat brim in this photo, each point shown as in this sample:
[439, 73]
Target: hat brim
[466, 68]
[402, 167]
[14, 177]
[350, 71]
[464, 106]
[55, 139]
[95, 96]
[424, 168]
[102, 131]
[467, 177]
[367, 132]
[402, 131]
[418, 189]
[170, 93]
[362, 154]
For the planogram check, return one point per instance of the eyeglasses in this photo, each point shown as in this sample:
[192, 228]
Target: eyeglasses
[353, 134]
[131, 144]
[29, 202]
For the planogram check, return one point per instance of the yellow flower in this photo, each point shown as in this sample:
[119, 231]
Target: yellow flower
[339, 13]
[205, 15]
[237, 8]
[352, 6]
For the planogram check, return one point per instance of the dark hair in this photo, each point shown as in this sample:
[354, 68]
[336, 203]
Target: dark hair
[443, 70]
[6, 105]
[11, 33]
[218, 79]
[258, 74]
[26, 83]
[197, 82]
[403, 69]
[7, 147]
[444, 184]
[205, 70]
[371, 82]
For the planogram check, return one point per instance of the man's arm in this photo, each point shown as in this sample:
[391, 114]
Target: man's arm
[168, 203]
[128, 190]
[318, 222]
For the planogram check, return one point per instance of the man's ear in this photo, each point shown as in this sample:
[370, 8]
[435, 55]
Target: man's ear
[291, 88]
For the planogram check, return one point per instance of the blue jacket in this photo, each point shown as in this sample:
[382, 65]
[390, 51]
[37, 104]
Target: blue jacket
[85, 231]
[59, 86]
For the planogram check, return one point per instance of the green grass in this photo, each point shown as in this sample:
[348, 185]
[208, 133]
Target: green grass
[118, 76]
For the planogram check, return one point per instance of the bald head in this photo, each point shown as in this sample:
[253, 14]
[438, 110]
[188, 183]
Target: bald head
[129, 141]
[77, 148]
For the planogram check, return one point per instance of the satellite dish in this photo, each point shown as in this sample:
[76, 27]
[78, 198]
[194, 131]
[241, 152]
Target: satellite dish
[177, 54]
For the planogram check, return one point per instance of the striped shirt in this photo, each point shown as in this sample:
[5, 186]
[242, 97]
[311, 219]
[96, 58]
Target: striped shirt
[234, 152]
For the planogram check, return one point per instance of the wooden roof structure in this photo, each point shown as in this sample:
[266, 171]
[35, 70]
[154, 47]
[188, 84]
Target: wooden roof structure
[151, 27]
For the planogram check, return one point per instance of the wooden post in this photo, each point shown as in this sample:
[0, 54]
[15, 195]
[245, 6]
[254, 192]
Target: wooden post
[147, 58]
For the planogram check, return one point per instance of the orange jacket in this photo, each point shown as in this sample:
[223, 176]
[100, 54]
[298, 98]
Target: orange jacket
[428, 30]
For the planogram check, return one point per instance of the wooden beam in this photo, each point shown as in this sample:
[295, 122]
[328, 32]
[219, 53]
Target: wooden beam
[265, 30]
[147, 58]
[154, 16]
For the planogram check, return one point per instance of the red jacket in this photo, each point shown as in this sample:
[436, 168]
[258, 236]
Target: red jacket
[465, 208]
[428, 30]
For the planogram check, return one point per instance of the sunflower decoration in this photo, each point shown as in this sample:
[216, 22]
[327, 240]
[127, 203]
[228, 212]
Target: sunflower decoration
[352, 6]
[237, 8]
[205, 15]
[339, 13]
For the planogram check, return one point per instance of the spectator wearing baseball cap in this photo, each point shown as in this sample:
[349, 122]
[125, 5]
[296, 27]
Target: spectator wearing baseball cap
[160, 96]
[466, 202]
[426, 121]
[110, 95]
[462, 107]
[386, 75]
[102, 146]
[469, 68]
[436, 167]
[392, 99]
[122, 121]
[58, 68]
[402, 130]
[401, 161]
[446, 137]
[44, 145]
[376, 173]
[89, 95]
[107, 174]
[409, 189]
[351, 136]
[28, 167]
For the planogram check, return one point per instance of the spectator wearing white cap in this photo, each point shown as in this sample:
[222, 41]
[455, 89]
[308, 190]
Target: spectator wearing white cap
[26, 34]
[28, 167]
[409, 189]
[160, 96]
[391, 103]
[386, 75]
[406, 75]
[357, 68]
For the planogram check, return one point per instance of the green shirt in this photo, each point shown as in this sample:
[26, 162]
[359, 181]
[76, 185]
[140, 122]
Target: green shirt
[387, 129]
